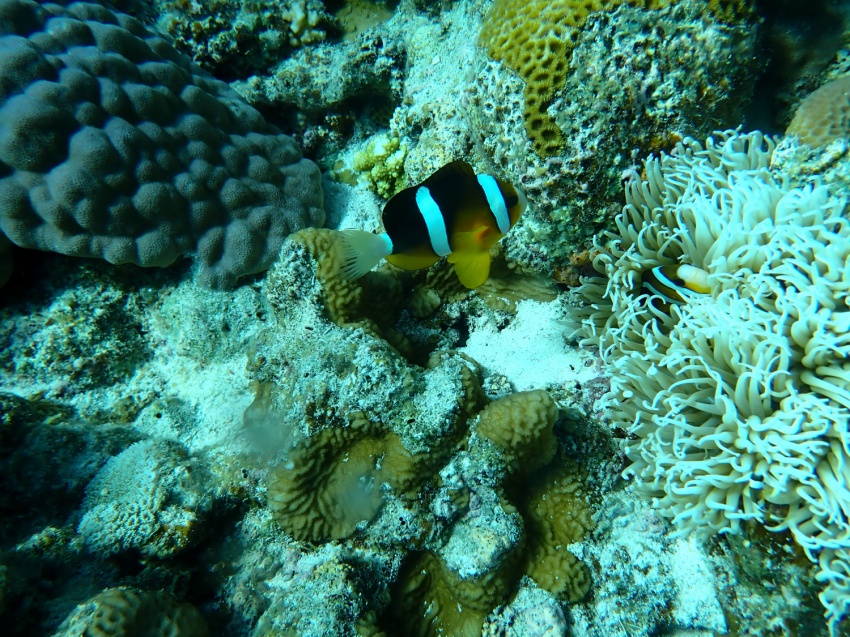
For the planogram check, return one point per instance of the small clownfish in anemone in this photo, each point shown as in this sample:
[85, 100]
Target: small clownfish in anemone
[674, 284]
[454, 213]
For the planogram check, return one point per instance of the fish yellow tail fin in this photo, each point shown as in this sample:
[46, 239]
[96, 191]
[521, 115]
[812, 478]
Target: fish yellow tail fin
[362, 251]
[472, 268]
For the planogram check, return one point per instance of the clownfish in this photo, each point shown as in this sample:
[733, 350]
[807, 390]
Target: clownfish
[674, 284]
[454, 213]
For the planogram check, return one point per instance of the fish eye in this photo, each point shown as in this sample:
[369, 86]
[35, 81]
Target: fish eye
[511, 201]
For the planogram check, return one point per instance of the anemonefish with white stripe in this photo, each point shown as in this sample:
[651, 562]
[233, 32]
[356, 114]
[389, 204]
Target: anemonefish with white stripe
[454, 213]
[674, 284]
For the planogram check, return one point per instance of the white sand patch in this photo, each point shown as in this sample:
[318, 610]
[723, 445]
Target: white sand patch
[530, 352]
[696, 603]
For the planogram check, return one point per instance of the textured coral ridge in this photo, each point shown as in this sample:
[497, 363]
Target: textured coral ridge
[395, 465]
[121, 612]
[114, 145]
[737, 403]
[823, 116]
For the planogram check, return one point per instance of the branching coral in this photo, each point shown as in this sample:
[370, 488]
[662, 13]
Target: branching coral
[737, 402]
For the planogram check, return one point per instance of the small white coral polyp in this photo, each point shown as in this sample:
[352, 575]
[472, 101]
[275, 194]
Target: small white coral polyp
[737, 403]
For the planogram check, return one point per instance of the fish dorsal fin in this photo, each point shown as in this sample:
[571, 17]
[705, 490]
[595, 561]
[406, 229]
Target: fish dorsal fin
[472, 267]
[449, 174]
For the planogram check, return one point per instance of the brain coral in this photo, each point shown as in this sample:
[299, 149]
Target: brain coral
[114, 145]
[126, 612]
[824, 115]
[150, 498]
[314, 496]
[737, 402]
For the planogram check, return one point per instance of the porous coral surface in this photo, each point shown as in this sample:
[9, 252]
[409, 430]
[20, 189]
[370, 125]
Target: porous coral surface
[233, 39]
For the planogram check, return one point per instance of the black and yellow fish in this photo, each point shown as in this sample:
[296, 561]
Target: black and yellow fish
[454, 213]
[674, 284]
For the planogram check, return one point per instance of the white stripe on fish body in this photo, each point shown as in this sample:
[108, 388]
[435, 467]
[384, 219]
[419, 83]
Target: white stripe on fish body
[496, 202]
[434, 221]
[663, 278]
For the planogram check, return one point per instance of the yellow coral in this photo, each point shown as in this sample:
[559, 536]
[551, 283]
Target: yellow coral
[535, 38]
[381, 163]
[824, 115]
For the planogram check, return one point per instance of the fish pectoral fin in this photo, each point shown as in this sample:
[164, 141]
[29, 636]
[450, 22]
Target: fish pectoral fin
[472, 240]
[472, 268]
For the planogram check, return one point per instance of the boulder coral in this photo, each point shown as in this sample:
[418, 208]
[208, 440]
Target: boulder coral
[114, 145]
[735, 403]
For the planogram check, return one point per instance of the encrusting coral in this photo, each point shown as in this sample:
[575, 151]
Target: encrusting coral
[452, 589]
[372, 464]
[237, 39]
[736, 403]
[639, 79]
[148, 498]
